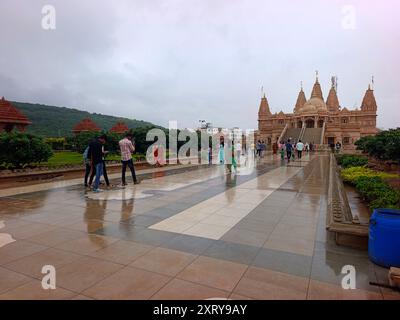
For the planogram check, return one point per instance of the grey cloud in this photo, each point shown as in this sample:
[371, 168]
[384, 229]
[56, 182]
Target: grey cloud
[196, 59]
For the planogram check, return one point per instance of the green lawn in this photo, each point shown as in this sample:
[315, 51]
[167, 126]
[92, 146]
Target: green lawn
[64, 158]
[74, 158]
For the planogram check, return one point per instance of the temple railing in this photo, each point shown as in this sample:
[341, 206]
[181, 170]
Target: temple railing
[283, 132]
[323, 133]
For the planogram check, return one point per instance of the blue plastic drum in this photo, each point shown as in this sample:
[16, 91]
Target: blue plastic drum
[384, 237]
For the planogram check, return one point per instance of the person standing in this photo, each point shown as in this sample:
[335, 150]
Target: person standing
[275, 147]
[221, 152]
[299, 148]
[338, 146]
[95, 155]
[104, 171]
[288, 150]
[127, 148]
[88, 168]
[238, 148]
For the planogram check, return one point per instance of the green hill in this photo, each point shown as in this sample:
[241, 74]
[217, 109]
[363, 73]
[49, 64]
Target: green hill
[52, 121]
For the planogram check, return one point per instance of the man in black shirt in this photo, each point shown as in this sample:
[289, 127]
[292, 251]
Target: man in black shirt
[95, 155]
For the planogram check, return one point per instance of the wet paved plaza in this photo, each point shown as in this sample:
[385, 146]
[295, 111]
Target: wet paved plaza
[189, 232]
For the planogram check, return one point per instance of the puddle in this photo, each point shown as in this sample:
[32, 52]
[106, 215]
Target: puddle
[358, 207]
[5, 238]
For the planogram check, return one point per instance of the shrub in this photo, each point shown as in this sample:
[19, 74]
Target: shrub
[353, 173]
[377, 192]
[56, 143]
[20, 149]
[80, 141]
[347, 161]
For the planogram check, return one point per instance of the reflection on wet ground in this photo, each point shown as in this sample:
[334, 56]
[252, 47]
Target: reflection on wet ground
[358, 207]
[188, 233]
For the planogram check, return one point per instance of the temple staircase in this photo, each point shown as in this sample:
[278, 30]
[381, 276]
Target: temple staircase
[292, 133]
[312, 135]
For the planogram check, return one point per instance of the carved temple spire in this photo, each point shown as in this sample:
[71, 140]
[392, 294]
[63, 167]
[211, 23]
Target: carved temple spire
[301, 99]
[369, 102]
[316, 91]
[332, 101]
[264, 106]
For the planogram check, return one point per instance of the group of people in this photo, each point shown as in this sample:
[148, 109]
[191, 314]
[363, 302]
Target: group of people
[291, 148]
[261, 147]
[95, 164]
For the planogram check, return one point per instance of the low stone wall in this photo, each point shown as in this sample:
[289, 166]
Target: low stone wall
[347, 229]
[58, 169]
[42, 170]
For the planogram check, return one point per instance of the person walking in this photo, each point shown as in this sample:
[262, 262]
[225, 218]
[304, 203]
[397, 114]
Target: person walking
[288, 150]
[282, 151]
[258, 148]
[263, 148]
[127, 148]
[299, 148]
[95, 154]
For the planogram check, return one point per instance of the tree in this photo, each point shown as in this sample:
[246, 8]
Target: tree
[363, 142]
[20, 149]
[383, 146]
[80, 141]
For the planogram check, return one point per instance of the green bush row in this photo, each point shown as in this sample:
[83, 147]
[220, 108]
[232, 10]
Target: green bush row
[20, 149]
[372, 187]
[378, 193]
[353, 173]
[348, 160]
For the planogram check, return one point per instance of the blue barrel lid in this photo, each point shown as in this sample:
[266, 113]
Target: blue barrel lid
[386, 214]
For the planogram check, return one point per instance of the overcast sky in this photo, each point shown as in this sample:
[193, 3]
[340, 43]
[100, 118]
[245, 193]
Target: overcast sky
[185, 60]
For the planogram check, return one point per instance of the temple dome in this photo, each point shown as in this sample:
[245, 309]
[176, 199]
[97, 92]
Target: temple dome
[315, 104]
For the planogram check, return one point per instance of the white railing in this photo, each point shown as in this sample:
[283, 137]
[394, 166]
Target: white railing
[283, 132]
[303, 128]
[321, 141]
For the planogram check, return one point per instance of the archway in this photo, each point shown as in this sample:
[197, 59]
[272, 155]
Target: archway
[310, 123]
[320, 123]
[299, 124]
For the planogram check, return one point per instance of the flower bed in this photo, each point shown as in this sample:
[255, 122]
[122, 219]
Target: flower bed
[373, 186]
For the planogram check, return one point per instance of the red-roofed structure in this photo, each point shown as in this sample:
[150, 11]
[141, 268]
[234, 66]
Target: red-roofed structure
[85, 125]
[11, 117]
[119, 128]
